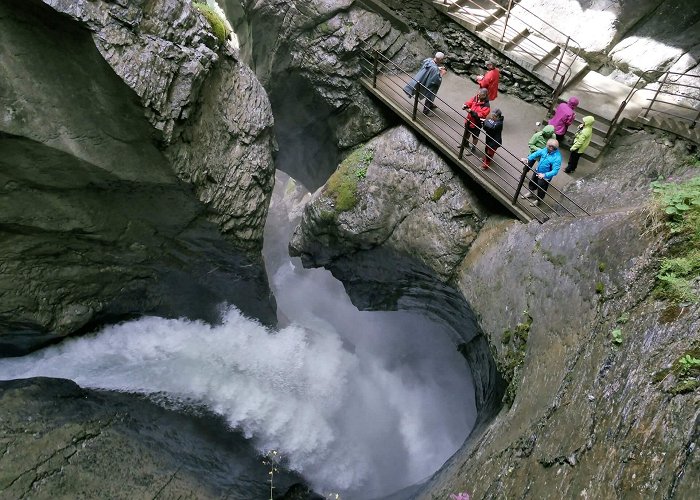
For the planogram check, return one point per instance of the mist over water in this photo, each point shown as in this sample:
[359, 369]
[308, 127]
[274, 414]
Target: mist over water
[361, 403]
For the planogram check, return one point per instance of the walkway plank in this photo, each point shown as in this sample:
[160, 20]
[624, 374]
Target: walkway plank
[443, 129]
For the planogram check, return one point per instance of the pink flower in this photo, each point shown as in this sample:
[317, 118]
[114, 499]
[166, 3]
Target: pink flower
[460, 496]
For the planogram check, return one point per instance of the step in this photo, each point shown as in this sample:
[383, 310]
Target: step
[473, 17]
[512, 31]
[677, 127]
[488, 21]
[599, 96]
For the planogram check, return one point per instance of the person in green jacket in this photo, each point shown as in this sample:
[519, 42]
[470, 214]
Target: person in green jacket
[539, 141]
[581, 141]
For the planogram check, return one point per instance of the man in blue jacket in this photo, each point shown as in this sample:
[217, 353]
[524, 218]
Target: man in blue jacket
[548, 164]
[429, 77]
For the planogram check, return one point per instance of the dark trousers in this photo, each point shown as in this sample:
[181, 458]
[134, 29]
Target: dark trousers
[560, 138]
[573, 161]
[539, 185]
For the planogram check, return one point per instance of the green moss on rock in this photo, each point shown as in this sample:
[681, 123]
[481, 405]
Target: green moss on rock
[218, 25]
[439, 192]
[342, 185]
[513, 356]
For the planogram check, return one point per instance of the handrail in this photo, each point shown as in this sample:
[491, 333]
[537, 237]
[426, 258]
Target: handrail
[657, 74]
[571, 45]
[510, 175]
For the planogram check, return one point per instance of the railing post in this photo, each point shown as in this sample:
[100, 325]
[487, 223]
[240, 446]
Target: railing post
[375, 69]
[653, 99]
[416, 98]
[695, 122]
[465, 139]
[510, 4]
[520, 184]
[555, 96]
[566, 46]
[613, 123]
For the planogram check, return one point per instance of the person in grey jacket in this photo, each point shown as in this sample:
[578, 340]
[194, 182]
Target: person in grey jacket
[428, 81]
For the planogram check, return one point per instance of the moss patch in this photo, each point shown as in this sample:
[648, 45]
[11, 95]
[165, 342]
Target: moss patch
[218, 25]
[342, 185]
[439, 192]
[679, 206]
[510, 362]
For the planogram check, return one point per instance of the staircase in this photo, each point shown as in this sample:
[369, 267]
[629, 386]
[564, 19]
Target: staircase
[504, 26]
[508, 32]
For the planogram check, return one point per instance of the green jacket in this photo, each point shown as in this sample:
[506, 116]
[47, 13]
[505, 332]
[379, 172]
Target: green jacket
[539, 139]
[583, 135]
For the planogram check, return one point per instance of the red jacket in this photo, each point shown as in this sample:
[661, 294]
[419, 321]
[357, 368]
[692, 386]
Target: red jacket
[482, 109]
[490, 83]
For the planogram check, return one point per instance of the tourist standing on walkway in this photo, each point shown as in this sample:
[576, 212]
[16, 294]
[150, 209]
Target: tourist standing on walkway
[489, 80]
[478, 108]
[493, 128]
[539, 141]
[581, 141]
[548, 165]
[428, 79]
[564, 116]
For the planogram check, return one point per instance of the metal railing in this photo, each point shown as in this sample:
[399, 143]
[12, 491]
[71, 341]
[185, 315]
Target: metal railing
[506, 174]
[669, 84]
[527, 46]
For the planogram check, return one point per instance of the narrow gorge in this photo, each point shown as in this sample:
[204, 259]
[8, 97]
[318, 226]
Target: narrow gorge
[186, 311]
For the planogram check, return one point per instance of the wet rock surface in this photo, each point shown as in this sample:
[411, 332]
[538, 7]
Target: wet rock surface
[59, 440]
[547, 298]
[407, 200]
[114, 202]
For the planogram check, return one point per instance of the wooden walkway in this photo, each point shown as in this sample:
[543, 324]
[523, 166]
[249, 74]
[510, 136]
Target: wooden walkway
[444, 130]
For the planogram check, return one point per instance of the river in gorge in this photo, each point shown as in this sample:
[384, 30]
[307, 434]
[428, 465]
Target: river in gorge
[359, 403]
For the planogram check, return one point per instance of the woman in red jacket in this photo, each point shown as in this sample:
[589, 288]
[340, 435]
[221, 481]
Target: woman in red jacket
[478, 108]
[490, 80]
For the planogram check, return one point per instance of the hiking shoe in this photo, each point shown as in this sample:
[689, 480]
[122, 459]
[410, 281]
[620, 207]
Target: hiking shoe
[527, 195]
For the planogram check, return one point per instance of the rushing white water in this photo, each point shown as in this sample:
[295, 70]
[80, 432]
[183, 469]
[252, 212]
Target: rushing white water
[360, 403]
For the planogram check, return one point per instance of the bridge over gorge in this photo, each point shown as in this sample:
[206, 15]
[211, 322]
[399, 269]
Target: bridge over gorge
[444, 129]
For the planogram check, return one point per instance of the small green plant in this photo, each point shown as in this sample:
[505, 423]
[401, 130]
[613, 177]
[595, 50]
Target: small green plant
[216, 22]
[687, 364]
[600, 288]
[624, 318]
[361, 172]
[616, 336]
[680, 208]
[601, 267]
[685, 371]
[272, 460]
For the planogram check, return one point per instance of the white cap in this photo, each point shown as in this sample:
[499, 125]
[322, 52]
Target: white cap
[439, 55]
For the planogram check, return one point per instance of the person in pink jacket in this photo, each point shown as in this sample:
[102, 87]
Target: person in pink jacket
[564, 116]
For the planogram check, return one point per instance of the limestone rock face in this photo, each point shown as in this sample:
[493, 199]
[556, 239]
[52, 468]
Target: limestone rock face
[653, 156]
[582, 415]
[129, 145]
[590, 418]
[408, 200]
[62, 441]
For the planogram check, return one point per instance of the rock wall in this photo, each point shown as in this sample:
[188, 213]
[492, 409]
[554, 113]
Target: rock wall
[61, 441]
[582, 415]
[130, 142]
